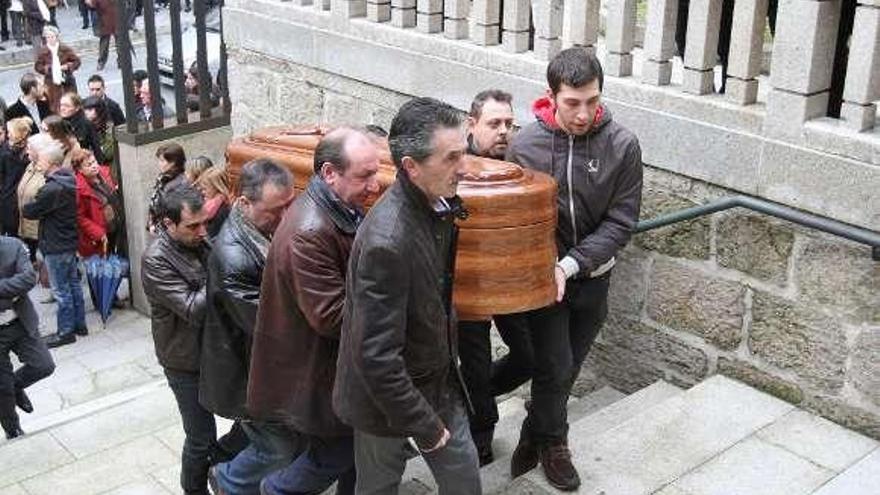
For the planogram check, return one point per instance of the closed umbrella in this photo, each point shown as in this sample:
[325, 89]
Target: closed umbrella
[104, 275]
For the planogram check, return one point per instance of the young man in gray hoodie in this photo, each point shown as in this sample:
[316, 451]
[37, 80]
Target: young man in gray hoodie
[598, 166]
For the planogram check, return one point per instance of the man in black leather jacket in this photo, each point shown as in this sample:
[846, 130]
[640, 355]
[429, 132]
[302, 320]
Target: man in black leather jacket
[397, 378]
[235, 272]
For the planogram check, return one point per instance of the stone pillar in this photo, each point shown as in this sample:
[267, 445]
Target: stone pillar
[700, 55]
[863, 78]
[803, 57]
[429, 16]
[485, 25]
[455, 25]
[746, 47]
[515, 25]
[379, 10]
[548, 28]
[403, 13]
[659, 41]
[580, 24]
[620, 28]
[349, 8]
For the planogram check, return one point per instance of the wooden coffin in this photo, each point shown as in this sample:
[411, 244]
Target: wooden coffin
[506, 247]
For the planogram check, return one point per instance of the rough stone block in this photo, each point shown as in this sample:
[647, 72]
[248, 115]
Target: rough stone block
[545, 49]
[517, 15]
[803, 51]
[456, 9]
[704, 20]
[619, 64]
[787, 112]
[657, 73]
[403, 4]
[429, 23]
[685, 239]
[799, 338]
[629, 280]
[741, 92]
[840, 276]
[403, 18]
[341, 109]
[379, 12]
[547, 18]
[486, 11]
[747, 39]
[485, 35]
[605, 360]
[515, 41]
[296, 102]
[690, 301]
[819, 440]
[620, 25]
[845, 414]
[349, 8]
[756, 246]
[580, 25]
[859, 478]
[767, 382]
[456, 29]
[858, 117]
[698, 82]
[864, 369]
[659, 42]
[863, 79]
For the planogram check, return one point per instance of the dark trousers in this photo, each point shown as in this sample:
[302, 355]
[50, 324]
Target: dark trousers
[84, 12]
[37, 364]
[103, 49]
[483, 379]
[561, 336]
[200, 429]
[325, 461]
[4, 26]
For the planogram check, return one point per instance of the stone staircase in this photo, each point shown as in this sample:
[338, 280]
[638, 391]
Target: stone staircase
[718, 438]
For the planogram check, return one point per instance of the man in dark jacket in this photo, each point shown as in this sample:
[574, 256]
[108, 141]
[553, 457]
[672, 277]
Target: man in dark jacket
[297, 337]
[98, 90]
[397, 379]
[235, 270]
[19, 333]
[29, 103]
[597, 164]
[174, 279]
[55, 208]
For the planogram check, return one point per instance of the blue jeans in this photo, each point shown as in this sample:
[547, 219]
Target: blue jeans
[325, 461]
[272, 447]
[66, 287]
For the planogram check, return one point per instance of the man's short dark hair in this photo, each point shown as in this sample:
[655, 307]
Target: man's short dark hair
[257, 173]
[172, 153]
[172, 203]
[412, 130]
[331, 149]
[139, 75]
[574, 67]
[484, 96]
[28, 82]
[96, 78]
[376, 130]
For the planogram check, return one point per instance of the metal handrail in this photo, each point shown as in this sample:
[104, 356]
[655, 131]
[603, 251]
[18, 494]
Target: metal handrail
[813, 221]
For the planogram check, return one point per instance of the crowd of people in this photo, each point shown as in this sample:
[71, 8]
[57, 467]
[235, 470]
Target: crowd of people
[327, 333]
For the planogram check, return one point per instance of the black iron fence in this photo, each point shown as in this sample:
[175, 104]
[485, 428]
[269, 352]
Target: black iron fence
[200, 90]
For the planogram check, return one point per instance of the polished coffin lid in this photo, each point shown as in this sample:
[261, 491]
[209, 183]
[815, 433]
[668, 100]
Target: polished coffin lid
[506, 246]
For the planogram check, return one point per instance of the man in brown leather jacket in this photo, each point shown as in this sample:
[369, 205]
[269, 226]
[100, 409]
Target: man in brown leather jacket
[293, 362]
[397, 379]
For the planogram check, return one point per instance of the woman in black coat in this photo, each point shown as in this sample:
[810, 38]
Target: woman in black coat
[13, 162]
[71, 110]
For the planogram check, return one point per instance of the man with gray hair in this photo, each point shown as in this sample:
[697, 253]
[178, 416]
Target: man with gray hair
[235, 271]
[55, 208]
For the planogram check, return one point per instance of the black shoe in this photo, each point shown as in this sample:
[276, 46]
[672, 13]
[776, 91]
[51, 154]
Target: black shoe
[14, 433]
[525, 456]
[22, 401]
[82, 331]
[560, 472]
[54, 341]
[483, 443]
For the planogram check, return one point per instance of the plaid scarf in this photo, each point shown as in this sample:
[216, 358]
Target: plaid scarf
[260, 241]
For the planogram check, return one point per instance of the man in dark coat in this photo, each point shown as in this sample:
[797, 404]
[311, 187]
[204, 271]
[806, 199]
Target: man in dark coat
[98, 90]
[597, 164]
[235, 270]
[55, 208]
[71, 110]
[397, 379]
[106, 10]
[297, 338]
[19, 333]
[29, 103]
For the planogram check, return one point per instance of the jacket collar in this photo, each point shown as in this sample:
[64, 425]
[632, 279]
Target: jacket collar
[345, 218]
[251, 239]
[545, 113]
[450, 207]
[174, 247]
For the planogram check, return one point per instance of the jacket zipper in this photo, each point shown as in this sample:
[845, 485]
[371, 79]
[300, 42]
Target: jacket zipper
[569, 173]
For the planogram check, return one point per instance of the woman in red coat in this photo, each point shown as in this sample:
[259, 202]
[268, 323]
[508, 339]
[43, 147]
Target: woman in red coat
[96, 216]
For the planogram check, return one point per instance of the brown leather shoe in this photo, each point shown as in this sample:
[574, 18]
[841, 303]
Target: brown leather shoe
[560, 472]
[525, 456]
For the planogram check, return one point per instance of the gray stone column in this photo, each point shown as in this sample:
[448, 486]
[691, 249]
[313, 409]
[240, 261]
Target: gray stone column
[620, 28]
[746, 46]
[379, 10]
[659, 41]
[803, 58]
[485, 23]
[580, 24]
[548, 28]
[700, 55]
[429, 14]
[349, 8]
[403, 13]
[515, 34]
[863, 78]
[456, 13]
